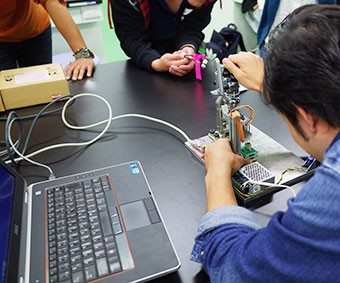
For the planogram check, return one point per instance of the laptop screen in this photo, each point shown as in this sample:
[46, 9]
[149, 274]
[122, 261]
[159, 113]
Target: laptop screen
[7, 185]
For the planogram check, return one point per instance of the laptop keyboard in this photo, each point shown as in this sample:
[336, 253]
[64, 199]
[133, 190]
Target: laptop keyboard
[83, 226]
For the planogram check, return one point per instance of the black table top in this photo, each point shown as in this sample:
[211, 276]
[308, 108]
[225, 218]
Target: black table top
[175, 176]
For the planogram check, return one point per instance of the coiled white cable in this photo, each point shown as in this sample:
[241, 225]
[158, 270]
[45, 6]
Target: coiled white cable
[108, 123]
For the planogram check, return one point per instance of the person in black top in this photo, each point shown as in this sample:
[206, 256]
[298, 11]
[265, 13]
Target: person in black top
[158, 34]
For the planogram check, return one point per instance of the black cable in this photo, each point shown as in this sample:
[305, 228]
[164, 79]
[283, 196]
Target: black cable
[20, 120]
[37, 116]
[28, 117]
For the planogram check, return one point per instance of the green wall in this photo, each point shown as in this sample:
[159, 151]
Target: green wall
[112, 49]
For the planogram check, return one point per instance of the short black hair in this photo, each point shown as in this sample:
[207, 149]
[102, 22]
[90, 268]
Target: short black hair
[303, 65]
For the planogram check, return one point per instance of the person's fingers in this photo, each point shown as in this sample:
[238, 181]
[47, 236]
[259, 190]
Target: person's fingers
[78, 68]
[187, 67]
[68, 71]
[89, 71]
[81, 72]
[174, 70]
[232, 67]
[179, 56]
[75, 73]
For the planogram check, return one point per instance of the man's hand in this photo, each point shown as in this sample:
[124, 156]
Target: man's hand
[221, 163]
[77, 69]
[220, 159]
[247, 68]
[70, 31]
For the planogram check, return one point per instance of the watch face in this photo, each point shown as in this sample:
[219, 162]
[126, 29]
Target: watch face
[84, 53]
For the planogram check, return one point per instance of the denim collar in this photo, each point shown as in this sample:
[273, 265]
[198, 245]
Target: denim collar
[337, 137]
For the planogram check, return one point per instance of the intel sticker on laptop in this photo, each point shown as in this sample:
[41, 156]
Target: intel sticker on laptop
[134, 168]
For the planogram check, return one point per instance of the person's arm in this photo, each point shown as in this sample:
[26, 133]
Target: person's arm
[247, 68]
[132, 34]
[233, 247]
[69, 30]
[221, 163]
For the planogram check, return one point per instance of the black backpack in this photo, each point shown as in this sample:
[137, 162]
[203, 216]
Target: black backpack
[226, 41]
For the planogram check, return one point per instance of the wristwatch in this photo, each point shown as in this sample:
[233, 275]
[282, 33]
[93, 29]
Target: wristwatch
[83, 52]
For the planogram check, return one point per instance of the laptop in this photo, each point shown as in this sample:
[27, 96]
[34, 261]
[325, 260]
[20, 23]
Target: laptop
[98, 226]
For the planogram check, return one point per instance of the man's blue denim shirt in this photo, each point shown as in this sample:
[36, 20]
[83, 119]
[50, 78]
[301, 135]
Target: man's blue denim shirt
[299, 245]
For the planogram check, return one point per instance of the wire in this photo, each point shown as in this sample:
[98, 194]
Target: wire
[63, 116]
[40, 114]
[249, 108]
[270, 185]
[288, 169]
[5, 152]
[24, 157]
[28, 117]
[131, 116]
[99, 136]
[155, 120]
[9, 151]
[108, 122]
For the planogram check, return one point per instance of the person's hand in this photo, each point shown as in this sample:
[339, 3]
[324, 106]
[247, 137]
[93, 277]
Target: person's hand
[164, 63]
[183, 69]
[221, 163]
[78, 68]
[220, 159]
[247, 68]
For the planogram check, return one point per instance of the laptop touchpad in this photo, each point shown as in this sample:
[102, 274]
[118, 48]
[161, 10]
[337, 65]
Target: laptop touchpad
[135, 215]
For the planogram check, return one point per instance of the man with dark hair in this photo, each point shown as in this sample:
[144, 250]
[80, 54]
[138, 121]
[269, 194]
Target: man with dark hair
[302, 81]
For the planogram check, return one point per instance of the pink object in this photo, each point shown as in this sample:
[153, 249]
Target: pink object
[197, 59]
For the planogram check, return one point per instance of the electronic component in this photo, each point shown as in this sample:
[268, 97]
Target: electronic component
[249, 152]
[249, 181]
[248, 177]
[227, 85]
[197, 146]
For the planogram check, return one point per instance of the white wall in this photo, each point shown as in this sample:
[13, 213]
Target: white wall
[88, 20]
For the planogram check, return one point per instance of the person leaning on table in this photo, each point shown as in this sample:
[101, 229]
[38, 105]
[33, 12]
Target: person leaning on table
[157, 35]
[25, 36]
[301, 80]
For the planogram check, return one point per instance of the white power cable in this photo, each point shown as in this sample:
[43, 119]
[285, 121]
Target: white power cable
[154, 120]
[107, 121]
[271, 185]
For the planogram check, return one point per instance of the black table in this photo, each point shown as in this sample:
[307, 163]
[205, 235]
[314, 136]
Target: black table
[175, 176]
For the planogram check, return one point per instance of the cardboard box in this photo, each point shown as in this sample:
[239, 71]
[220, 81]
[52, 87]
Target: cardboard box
[31, 86]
